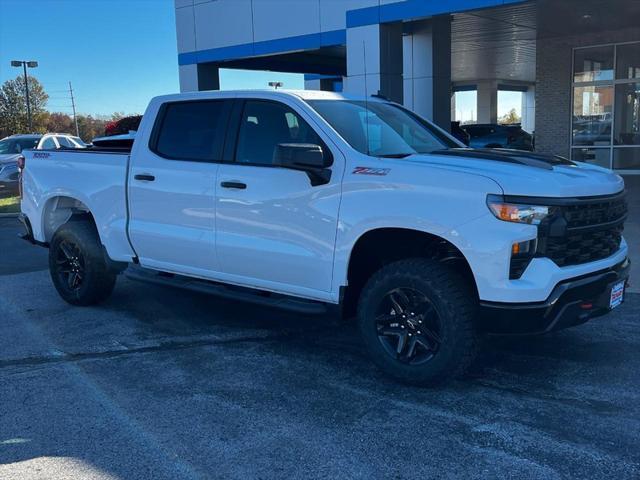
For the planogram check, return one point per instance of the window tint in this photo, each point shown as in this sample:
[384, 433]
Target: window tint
[192, 130]
[266, 124]
[49, 143]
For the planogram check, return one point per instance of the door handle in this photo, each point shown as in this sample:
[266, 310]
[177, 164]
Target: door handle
[236, 185]
[145, 177]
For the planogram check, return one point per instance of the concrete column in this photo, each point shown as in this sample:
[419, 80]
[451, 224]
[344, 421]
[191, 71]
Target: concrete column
[188, 78]
[312, 84]
[427, 69]
[325, 83]
[487, 101]
[374, 60]
[208, 76]
[529, 109]
[203, 76]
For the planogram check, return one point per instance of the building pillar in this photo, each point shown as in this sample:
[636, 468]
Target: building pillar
[203, 76]
[529, 109]
[325, 83]
[313, 84]
[208, 76]
[374, 60]
[188, 78]
[487, 101]
[427, 69]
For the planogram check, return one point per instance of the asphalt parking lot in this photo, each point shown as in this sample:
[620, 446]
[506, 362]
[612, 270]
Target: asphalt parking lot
[160, 383]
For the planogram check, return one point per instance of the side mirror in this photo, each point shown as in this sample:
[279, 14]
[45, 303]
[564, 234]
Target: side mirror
[299, 155]
[304, 156]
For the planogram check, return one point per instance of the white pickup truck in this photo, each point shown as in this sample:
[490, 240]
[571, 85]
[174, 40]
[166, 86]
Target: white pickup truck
[307, 199]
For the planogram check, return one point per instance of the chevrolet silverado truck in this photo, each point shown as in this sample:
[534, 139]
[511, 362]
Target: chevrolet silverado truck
[304, 200]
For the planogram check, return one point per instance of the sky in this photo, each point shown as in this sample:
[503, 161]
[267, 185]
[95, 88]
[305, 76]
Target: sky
[118, 54]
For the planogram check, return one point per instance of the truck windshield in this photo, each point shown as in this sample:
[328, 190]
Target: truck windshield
[381, 129]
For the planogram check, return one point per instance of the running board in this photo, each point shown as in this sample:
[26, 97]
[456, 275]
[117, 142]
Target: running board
[232, 292]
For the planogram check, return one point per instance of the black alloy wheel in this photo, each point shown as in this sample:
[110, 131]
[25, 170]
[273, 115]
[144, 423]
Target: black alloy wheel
[78, 264]
[409, 326]
[70, 265]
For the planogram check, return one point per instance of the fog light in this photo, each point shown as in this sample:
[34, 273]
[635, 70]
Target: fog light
[521, 255]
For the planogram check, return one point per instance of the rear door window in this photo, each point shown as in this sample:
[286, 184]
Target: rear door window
[192, 131]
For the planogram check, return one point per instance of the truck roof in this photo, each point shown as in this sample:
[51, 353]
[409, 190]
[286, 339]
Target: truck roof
[301, 94]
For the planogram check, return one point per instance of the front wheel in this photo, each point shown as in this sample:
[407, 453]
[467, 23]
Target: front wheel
[416, 318]
[77, 264]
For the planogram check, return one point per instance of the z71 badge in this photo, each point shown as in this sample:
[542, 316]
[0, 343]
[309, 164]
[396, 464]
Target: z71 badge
[371, 171]
[41, 155]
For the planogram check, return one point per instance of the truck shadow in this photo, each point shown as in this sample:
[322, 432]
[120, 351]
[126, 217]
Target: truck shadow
[330, 340]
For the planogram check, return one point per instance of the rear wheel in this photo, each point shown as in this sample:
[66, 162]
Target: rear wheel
[77, 265]
[416, 317]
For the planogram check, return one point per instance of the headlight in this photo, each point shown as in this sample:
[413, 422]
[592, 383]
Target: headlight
[516, 212]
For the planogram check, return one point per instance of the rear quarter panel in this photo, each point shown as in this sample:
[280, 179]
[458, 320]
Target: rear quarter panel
[96, 179]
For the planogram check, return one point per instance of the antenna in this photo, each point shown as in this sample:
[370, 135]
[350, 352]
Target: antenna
[366, 95]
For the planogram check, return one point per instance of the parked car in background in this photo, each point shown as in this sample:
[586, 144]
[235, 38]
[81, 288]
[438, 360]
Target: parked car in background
[59, 140]
[458, 132]
[492, 135]
[11, 149]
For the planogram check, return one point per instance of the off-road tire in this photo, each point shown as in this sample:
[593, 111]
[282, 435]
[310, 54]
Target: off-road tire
[451, 297]
[98, 279]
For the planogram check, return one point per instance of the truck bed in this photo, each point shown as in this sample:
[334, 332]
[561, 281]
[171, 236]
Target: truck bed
[96, 177]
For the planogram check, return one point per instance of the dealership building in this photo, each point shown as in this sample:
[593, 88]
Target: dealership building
[575, 62]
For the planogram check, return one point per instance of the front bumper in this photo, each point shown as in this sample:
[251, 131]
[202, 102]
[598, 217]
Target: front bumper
[572, 302]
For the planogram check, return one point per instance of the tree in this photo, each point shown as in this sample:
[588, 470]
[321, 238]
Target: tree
[60, 123]
[13, 107]
[511, 117]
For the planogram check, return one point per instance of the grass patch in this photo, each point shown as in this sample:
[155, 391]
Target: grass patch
[10, 205]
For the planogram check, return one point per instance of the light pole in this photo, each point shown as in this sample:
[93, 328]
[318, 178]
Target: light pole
[24, 64]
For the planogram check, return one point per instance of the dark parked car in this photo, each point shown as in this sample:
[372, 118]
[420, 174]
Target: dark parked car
[458, 132]
[11, 147]
[491, 135]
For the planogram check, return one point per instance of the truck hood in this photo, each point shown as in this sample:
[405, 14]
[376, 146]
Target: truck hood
[526, 173]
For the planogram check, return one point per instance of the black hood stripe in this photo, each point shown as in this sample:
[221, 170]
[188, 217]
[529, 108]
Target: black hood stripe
[519, 157]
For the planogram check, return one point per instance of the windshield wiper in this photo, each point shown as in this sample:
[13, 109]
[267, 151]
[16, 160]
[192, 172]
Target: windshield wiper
[394, 155]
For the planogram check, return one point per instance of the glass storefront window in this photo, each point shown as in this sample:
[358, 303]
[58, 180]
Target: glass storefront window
[627, 117]
[592, 115]
[596, 156]
[626, 158]
[628, 61]
[606, 107]
[593, 64]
